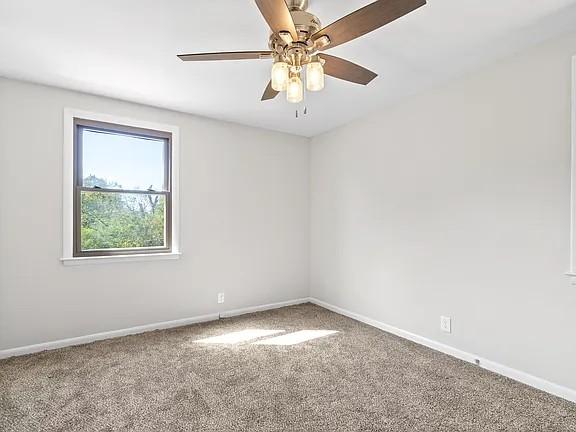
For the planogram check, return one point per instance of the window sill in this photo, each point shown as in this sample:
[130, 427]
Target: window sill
[120, 258]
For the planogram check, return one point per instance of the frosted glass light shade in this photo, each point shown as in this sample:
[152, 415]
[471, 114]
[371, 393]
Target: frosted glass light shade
[280, 76]
[314, 76]
[295, 90]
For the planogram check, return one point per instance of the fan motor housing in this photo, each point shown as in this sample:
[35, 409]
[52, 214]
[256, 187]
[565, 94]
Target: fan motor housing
[306, 22]
[306, 25]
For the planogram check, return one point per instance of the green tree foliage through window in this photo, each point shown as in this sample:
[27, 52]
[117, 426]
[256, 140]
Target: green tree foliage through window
[120, 220]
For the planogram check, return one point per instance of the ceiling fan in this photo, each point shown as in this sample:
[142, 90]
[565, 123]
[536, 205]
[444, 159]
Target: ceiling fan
[298, 40]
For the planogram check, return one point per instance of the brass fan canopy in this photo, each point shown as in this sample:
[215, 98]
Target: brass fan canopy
[297, 4]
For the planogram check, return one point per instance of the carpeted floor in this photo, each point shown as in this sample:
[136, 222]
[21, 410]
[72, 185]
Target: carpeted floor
[358, 379]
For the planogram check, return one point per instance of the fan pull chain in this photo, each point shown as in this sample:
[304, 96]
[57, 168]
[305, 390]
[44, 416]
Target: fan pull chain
[305, 112]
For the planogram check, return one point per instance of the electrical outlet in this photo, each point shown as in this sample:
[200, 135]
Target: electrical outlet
[446, 324]
[220, 298]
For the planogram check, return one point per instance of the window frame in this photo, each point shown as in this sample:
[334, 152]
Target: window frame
[74, 121]
[166, 137]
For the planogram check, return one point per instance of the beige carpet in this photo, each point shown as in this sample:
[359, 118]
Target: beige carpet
[358, 379]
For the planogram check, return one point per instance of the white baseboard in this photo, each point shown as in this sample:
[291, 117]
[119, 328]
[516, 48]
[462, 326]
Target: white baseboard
[81, 340]
[523, 377]
[252, 309]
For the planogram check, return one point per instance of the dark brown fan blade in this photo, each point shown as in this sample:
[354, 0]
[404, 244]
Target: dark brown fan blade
[269, 93]
[238, 55]
[278, 16]
[346, 70]
[365, 20]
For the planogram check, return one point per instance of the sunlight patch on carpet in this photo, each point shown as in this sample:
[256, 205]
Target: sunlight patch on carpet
[296, 338]
[239, 336]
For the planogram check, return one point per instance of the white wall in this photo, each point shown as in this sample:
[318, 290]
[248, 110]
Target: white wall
[244, 223]
[456, 203]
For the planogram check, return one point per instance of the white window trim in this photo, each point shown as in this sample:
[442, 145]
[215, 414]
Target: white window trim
[572, 270]
[68, 188]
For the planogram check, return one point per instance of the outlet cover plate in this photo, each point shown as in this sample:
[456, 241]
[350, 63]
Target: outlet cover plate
[446, 324]
[220, 298]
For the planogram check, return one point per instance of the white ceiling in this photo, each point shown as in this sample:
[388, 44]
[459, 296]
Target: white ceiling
[127, 49]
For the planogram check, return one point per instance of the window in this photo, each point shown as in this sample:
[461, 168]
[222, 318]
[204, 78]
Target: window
[121, 183]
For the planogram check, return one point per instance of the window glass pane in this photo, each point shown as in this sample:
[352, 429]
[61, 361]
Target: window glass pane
[116, 161]
[113, 220]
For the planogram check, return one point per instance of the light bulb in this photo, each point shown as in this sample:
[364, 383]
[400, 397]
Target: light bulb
[280, 76]
[295, 90]
[315, 76]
